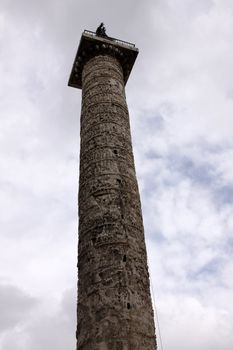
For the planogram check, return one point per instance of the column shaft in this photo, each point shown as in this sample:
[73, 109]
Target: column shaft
[114, 303]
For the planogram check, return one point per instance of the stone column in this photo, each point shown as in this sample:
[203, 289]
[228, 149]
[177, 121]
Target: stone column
[114, 303]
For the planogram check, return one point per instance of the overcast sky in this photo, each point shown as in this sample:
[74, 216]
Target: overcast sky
[180, 97]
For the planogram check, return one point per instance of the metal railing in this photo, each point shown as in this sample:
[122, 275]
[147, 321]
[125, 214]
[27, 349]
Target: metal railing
[118, 41]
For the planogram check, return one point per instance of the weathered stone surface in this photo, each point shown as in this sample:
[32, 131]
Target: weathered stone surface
[114, 304]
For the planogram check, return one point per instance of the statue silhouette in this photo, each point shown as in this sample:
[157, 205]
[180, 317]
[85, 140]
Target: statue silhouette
[101, 30]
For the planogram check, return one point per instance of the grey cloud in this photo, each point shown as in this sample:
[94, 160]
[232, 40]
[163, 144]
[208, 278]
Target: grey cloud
[224, 195]
[58, 330]
[15, 306]
[55, 329]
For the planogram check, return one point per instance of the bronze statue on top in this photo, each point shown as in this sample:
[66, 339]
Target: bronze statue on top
[101, 31]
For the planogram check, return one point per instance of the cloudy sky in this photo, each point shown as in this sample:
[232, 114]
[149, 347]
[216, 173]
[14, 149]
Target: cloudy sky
[180, 97]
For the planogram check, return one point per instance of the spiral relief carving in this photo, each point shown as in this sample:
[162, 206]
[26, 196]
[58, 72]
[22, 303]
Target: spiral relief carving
[114, 303]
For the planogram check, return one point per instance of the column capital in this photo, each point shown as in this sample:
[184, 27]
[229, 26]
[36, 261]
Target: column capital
[93, 45]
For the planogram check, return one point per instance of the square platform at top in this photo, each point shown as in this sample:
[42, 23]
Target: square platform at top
[92, 45]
